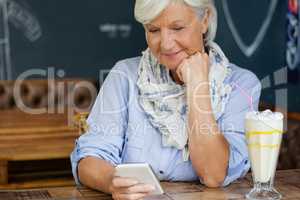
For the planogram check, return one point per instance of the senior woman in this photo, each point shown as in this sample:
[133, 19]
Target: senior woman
[179, 107]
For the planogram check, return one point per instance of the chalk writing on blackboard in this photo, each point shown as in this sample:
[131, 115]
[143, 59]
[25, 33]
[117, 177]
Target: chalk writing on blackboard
[22, 19]
[116, 30]
[248, 50]
[5, 62]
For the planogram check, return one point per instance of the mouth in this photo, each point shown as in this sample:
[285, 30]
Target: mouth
[171, 54]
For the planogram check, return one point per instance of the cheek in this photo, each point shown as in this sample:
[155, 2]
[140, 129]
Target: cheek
[153, 44]
[191, 40]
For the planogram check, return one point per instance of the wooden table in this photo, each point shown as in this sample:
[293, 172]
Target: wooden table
[287, 183]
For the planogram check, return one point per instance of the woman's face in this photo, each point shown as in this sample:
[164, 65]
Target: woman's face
[176, 33]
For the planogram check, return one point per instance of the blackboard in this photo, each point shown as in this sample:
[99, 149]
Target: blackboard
[77, 36]
[268, 60]
[82, 37]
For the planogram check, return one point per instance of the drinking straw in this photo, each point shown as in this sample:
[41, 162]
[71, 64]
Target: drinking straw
[250, 101]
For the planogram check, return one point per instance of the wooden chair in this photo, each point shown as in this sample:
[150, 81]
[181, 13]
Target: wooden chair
[26, 137]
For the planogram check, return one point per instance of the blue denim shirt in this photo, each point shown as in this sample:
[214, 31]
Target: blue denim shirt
[120, 132]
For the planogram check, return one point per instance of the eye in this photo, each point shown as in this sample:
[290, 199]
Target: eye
[153, 30]
[178, 28]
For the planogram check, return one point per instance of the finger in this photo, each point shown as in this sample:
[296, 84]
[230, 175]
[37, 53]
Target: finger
[178, 72]
[139, 188]
[206, 57]
[180, 68]
[200, 57]
[200, 54]
[133, 196]
[191, 52]
[124, 182]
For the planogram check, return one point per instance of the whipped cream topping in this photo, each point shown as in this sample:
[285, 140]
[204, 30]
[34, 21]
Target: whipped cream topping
[264, 115]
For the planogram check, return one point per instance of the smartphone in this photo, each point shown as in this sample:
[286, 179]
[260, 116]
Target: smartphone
[141, 172]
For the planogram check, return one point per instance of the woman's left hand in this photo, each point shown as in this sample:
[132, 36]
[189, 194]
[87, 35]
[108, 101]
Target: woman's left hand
[194, 70]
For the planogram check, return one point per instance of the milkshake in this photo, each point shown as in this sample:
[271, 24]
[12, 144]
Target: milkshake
[264, 133]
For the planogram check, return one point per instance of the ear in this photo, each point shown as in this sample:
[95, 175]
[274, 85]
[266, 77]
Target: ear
[205, 20]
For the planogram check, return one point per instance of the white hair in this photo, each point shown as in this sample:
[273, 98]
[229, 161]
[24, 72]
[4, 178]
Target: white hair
[147, 10]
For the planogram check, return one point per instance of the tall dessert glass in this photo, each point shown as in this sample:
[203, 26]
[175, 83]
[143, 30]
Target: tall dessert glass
[264, 133]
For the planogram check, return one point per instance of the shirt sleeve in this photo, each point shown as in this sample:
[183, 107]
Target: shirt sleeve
[107, 123]
[232, 124]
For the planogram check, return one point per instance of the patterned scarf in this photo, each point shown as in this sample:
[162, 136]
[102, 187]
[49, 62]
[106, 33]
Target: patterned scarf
[164, 101]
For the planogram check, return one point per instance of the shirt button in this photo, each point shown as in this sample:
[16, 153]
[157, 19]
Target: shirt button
[161, 172]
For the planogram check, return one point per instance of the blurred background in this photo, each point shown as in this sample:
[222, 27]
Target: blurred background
[75, 44]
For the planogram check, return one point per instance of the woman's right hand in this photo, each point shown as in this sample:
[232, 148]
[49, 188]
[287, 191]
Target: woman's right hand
[129, 189]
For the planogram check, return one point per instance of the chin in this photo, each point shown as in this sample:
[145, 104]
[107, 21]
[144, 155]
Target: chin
[171, 65]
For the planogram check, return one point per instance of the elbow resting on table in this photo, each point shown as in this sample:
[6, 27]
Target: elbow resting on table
[213, 182]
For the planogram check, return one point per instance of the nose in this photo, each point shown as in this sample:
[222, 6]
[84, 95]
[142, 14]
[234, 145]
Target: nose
[167, 41]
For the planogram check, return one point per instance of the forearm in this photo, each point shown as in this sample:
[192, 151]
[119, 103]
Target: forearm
[209, 156]
[95, 173]
[209, 150]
